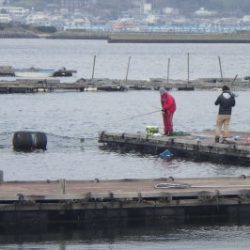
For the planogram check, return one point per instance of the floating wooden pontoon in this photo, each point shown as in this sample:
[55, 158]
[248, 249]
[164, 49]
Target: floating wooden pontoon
[149, 200]
[198, 146]
[105, 84]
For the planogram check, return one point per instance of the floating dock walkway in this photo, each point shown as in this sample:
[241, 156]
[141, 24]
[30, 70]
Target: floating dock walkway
[121, 201]
[198, 146]
[103, 84]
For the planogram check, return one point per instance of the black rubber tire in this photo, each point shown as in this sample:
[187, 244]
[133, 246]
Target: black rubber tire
[22, 141]
[39, 140]
[29, 141]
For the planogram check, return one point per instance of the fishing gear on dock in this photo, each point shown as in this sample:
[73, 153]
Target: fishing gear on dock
[168, 185]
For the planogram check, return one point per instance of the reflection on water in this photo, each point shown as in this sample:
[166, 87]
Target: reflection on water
[211, 235]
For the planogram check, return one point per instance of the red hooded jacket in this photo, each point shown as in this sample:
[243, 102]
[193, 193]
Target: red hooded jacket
[168, 102]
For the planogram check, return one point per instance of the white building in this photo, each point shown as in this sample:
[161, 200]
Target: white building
[38, 19]
[77, 23]
[167, 11]
[246, 19]
[151, 19]
[147, 8]
[5, 18]
[14, 11]
[203, 12]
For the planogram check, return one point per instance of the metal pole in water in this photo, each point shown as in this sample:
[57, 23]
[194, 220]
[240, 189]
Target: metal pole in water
[93, 70]
[221, 75]
[128, 66]
[188, 65]
[168, 70]
[232, 83]
[63, 185]
[1, 176]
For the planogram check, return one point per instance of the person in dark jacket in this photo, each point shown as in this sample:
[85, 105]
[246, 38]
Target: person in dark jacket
[226, 101]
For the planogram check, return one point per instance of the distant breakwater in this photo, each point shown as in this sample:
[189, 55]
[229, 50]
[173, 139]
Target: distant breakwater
[17, 34]
[156, 37]
[135, 37]
[172, 37]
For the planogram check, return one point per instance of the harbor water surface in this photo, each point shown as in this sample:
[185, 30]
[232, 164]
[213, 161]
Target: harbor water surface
[73, 121]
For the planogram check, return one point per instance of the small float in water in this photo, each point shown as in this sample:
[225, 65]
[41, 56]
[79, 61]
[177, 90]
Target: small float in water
[63, 72]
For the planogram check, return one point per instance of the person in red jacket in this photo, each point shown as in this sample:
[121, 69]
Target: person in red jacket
[168, 108]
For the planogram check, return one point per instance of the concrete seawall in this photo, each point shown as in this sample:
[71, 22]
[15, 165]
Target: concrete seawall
[136, 37]
[171, 37]
[92, 35]
[155, 37]
[17, 34]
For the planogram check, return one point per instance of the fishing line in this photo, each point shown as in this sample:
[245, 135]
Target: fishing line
[139, 115]
[65, 137]
[78, 139]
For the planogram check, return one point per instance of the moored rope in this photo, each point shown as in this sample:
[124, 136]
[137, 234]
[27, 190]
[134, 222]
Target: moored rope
[168, 185]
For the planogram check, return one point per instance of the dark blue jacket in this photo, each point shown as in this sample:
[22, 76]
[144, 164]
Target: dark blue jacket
[226, 101]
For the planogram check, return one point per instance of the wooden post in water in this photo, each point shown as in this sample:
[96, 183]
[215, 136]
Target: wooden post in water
[188, 67]
[221, 75]
[63, 185]
[128, 66]
[93, 70]
[168, 70]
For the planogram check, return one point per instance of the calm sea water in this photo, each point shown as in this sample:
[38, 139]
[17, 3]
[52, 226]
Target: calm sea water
[68, 117]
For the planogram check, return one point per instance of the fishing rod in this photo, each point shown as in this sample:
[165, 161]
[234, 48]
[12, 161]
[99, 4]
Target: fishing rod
[140, 115]
[234, 79]
[233, 83]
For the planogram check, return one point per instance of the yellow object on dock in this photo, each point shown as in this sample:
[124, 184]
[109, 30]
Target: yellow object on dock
[152, 130]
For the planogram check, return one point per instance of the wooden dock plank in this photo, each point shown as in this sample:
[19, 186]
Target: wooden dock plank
[119, 188]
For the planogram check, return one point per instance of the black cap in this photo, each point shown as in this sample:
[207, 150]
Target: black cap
[225, 88]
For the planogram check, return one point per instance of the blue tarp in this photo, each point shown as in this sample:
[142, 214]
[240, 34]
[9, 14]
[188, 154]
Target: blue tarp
[166, 154]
